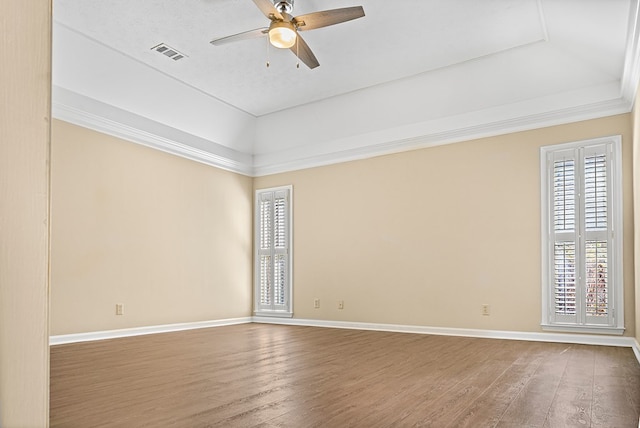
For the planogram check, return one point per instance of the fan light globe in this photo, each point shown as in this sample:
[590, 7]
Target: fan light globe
[282, 35]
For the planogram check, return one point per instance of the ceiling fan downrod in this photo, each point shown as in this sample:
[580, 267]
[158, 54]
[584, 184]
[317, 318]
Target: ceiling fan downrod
[283, 6]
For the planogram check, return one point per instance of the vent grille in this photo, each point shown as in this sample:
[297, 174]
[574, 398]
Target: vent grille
[168, 51]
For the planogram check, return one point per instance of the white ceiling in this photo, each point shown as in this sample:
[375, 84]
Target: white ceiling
[410, 73]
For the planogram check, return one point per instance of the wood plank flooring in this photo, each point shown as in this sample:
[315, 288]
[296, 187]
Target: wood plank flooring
[258, 375]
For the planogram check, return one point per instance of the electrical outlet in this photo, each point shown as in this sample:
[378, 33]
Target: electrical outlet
[486, 310]
[340, 304]
[316, 303]
[119, 309]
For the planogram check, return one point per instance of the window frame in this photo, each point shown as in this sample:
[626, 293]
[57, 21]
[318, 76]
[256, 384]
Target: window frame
[550, 321]
[258, 309]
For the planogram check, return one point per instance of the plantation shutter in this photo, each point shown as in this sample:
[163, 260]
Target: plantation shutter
[580, 235]
[280, 247]
[265, 234]
[596, 234]
[273, 255]
[564, 242]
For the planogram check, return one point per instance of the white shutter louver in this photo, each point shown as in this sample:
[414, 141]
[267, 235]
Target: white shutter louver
[265, 224]
[565, 278]
[595, 192]
[280, 221]
[265, 280]
[564, 193]
[279, 275]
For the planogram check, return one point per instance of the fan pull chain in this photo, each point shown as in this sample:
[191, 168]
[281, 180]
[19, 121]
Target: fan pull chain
[297, 52]
[267, 39]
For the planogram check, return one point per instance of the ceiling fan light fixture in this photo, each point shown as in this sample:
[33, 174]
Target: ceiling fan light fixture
[282, 35]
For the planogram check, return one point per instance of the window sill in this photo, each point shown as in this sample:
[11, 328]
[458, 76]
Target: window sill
[593, 329]
[274, 314]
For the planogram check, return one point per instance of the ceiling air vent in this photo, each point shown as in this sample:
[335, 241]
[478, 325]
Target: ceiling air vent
[168, 51]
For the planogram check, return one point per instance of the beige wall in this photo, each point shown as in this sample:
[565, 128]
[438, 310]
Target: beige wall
[635, 114]
[418, 238]
[25, 76]
[167, 237]
[426, 237]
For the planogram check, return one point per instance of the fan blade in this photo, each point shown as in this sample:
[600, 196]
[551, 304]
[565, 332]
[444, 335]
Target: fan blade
[302, 50]
[325, 18]
[266, 7]
[251, 34]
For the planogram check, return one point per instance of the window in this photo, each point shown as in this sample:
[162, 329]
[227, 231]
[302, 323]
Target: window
[272, 287]
[582, 236]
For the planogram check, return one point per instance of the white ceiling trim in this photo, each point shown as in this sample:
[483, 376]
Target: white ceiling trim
[391, 141]
[631, 73]
[95, 115]
[274, 163]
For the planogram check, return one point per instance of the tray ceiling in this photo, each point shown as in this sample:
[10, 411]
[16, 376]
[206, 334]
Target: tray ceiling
[408, 69]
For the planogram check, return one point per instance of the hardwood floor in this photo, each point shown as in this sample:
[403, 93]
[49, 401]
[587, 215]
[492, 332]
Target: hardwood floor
[257, 375]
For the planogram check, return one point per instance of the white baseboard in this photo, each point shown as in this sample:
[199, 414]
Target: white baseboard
[636, 350]
[583, 339]
[138, 331]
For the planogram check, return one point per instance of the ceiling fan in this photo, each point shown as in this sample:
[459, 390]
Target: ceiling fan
[284, 29]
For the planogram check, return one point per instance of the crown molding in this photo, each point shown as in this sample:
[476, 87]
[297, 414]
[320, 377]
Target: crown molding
[88, 113]
[395, 141]
[97, 116]
[631, 72]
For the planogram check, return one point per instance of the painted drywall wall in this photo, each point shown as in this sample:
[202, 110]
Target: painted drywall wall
[167, 237]
[427, 237]
[24, 212]
[635, 114]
